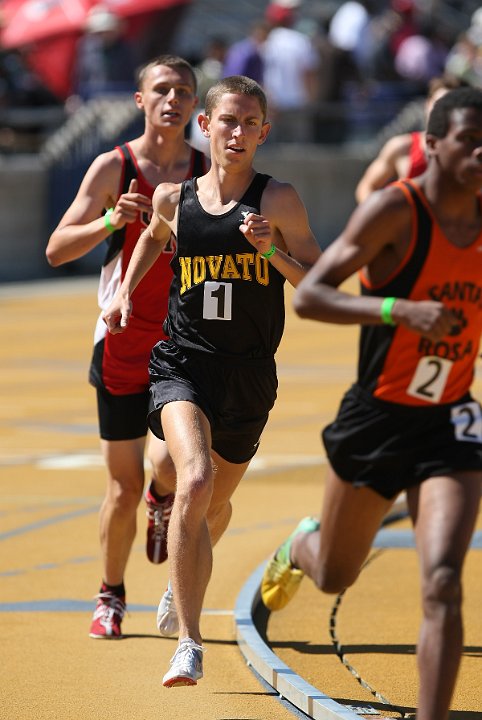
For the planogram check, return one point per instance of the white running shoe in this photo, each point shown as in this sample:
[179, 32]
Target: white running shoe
[186, 665]
[167, 620]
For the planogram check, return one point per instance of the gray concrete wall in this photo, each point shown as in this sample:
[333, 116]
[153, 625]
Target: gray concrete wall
[23, 210]
[325, 178]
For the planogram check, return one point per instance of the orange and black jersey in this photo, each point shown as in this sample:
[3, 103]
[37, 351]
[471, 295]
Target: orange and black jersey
[398, 365]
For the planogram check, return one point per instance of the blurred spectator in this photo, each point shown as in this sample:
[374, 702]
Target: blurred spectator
[403, 155]
[465, 57]
[340, 74]
[19, 86]
[404, 23]
[336, 69]
[290, 75]
[336, 65]
[374, 55]
[348, 25]
[382, 36]
[423, 55]
[23, 123]
[245, 56]
[105, 62]
[209, 69]
[476, 24]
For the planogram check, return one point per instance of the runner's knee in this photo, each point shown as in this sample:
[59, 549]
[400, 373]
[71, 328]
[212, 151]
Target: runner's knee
[442, 591]
[194, 491]
[125, 497]
[334, 580]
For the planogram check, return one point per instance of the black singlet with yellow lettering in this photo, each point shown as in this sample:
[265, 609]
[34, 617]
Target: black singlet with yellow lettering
[225, 297]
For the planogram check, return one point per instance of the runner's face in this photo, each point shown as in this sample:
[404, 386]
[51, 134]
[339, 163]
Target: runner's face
[236, 128]
[460, 152]
[167, 96]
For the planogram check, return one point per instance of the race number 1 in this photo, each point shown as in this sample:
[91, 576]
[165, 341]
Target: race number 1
[430, 378]
[218, 299]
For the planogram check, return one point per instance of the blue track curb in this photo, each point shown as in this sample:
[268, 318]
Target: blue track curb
[276, 673]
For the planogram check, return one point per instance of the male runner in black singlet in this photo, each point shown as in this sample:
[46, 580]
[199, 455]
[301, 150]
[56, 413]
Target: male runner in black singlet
[239, 236]
[409, 423]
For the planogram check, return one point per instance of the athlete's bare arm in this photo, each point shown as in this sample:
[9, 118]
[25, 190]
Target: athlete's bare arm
[385, 167]
[82, 227]
[284, 223]
[376, 239]
[148, 248]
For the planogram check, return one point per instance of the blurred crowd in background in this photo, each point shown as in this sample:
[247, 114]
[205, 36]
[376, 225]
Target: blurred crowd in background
[333, 71]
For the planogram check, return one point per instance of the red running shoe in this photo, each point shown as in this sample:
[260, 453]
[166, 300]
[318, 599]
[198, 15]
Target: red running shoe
[107, 618]
[158, 515]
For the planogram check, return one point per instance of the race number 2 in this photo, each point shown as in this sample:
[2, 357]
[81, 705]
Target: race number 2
[430, 378]
[218, 301]
[467, 422]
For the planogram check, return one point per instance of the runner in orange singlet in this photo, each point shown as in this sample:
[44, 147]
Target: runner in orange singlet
[409, 423]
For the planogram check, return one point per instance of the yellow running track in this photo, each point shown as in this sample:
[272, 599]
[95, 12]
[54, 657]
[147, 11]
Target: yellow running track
[51, 486]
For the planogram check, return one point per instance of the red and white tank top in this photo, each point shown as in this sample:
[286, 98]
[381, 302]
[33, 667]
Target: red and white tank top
[125, 357]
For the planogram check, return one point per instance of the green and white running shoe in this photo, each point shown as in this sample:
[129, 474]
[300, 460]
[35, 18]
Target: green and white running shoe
[280, 579]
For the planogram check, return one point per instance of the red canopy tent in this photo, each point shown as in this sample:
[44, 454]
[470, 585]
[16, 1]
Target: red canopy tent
[47, 31]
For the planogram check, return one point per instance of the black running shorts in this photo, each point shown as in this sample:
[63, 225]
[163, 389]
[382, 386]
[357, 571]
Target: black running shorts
[122, 417]
[236, 396]
[391, 447]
